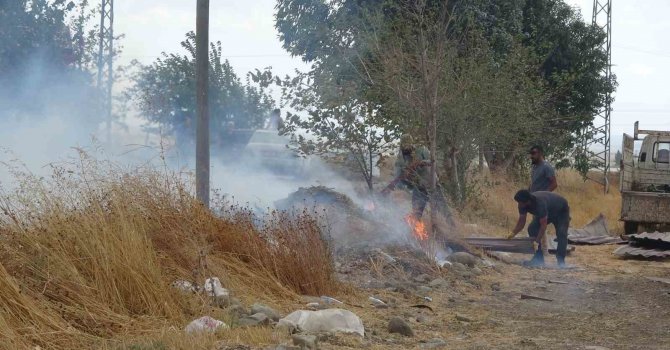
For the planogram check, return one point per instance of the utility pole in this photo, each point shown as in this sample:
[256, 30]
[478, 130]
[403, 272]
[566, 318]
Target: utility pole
[106, 63]
[202, 108]
[597, 136]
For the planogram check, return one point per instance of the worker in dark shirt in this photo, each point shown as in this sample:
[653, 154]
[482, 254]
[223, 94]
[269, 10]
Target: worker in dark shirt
[542, 174]
[546, 208]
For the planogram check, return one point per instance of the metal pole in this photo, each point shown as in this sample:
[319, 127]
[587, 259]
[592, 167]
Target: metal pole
[110, 72]
[202, 108]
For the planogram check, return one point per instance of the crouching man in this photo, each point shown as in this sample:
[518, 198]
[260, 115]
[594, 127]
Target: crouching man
[547, 208]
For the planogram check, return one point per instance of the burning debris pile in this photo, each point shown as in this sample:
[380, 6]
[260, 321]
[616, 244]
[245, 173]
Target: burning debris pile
[350, 226]
[319, 196]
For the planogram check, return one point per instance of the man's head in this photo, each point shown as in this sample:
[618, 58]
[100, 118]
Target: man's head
[406, 144]
[524, 198]
[536, 154]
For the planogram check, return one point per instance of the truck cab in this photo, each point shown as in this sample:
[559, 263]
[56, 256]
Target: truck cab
[645, 180]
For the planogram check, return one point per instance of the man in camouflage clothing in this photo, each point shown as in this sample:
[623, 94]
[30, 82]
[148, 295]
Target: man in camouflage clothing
[412, 170]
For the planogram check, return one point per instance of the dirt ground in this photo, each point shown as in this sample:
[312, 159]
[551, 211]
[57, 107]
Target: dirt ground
[604, 302]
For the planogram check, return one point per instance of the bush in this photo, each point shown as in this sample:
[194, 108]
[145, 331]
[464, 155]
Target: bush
[90, 253]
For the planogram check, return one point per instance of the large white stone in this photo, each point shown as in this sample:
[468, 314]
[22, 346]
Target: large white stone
[328, 320]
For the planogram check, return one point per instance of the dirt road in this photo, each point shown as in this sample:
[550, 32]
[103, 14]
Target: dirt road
[605, 303]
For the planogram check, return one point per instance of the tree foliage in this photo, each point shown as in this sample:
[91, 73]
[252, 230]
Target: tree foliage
[339, 123]
[492, 77]
[165, 94]
[45, 54]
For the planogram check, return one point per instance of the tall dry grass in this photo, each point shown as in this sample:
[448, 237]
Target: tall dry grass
[496, 210]
[89, 254]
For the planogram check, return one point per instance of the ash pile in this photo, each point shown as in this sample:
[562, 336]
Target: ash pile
[348, 225]
[376, 246]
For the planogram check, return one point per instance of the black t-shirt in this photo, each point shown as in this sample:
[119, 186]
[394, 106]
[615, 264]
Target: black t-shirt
[547, 204]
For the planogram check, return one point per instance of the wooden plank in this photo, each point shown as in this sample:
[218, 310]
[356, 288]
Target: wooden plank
[557, 282]
[659, 279]
[515, 245]
[533, 297]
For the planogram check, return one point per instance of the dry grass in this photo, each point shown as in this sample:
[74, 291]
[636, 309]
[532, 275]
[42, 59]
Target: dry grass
[89, 254]
[496, 211]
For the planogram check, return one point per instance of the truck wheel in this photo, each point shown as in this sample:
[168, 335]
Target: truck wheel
[630, 227]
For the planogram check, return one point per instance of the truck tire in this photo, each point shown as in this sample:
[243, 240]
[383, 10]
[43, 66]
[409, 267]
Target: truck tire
[630, 227]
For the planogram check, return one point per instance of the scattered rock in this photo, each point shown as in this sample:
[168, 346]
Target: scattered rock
[422, 278]
[204, 324]
[257, 319]
[328, 320]
[463, 318]
[329, 301]
[378, 303]
[438, 283]
[236, 347]
[488, 263]
[268, 311]
[496, 287]
[463, 258]
[236, 311]
[305, 342]
[444, 263]
[386, 257]
[400, 326]
[424, 289]
[595, 347]
[476, 271]
[283, 347]
[214, 289]
[309, 299]
[185, 286]
[461, 270]
[315, 306]
[435, 343]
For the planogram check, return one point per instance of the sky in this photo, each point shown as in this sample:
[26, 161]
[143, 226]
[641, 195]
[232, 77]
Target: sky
[246, 29]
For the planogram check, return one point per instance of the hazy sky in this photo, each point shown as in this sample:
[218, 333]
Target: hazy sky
[246, 29]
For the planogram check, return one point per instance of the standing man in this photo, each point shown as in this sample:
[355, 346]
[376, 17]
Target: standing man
[542, 175]
[546, 208]
[411, 171]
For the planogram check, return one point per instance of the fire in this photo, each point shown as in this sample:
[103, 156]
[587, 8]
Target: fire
[417, 226]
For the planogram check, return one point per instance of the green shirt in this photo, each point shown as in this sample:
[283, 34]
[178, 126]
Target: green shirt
[420, 178]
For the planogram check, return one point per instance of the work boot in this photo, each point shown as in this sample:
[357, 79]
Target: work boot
[536, 261]
[561, 262]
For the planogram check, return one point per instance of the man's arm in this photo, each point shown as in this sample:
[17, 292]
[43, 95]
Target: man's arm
[520, 224]
[543, 229]
[552, 184]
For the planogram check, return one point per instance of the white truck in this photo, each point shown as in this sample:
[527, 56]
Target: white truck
[645, 181]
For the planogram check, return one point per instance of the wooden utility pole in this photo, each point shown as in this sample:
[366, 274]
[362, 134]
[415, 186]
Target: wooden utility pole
[202, 108]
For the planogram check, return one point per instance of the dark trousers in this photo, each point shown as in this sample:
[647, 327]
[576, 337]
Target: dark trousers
[561, 224]
[419, 201]
[421, 197]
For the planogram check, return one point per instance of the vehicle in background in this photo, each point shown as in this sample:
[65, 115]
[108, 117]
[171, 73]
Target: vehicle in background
[269, 150]
[645, 182]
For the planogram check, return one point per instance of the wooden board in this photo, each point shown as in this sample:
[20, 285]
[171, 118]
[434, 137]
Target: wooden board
[515, 245]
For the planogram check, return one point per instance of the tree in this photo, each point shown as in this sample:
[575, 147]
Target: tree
[164, 92]
[556, 44]
[43, 67]
[339, 122]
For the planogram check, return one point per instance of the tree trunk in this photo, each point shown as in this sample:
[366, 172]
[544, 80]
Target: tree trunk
[499, 162]
[454, 175]
[481, 160]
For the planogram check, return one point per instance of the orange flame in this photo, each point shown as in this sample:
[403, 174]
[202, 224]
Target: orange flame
[417, 226]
